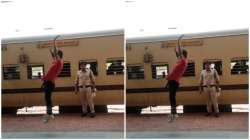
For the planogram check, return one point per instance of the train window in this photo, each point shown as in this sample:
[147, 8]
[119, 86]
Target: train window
[66, 72]
[135, 72]
[239, 66]
[4, 47]
[128, 47]
[190, 71]
[35, 71]
[159, 71]
[11, 72]
[92, 64]
[215, 64]
[114, 67]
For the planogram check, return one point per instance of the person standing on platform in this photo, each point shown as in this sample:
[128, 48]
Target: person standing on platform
[209, 83]
[85, 84]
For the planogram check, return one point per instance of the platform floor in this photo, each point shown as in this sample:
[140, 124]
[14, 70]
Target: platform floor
[189, 125]
[63, 126]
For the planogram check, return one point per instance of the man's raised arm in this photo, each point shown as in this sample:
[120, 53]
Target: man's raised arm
[178, 47]
[55, 49]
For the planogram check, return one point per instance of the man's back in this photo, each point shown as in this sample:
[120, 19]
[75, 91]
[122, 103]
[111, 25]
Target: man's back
[54, 70]
[178, 70]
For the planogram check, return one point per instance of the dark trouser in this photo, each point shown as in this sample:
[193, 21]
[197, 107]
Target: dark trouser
[173, 86]
[48, 88]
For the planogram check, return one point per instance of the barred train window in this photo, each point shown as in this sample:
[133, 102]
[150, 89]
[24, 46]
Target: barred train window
[135, 72]
[92, 64]
[4, 47]
[35, 71]
[190, 71]
[159, 71]
[239, 66]
[66, 72]
[216, 64]
[114, 67]
[11, 72]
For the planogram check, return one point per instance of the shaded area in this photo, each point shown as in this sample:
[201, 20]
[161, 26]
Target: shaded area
[189, 135]
[63, 135]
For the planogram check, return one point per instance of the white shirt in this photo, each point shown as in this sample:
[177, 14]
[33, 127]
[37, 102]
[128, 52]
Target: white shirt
[85, 77]
[209, 77]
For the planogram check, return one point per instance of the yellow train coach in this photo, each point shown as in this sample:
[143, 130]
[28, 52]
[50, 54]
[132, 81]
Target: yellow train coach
[25, 59]
[149, 59]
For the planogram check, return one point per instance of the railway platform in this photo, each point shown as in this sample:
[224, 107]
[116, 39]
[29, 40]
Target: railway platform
[104, 125]
[111, 125]
[188, 125]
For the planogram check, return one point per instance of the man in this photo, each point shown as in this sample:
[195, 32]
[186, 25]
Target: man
[49, 79]
[85, 82]
[209, 83]
[175, 76]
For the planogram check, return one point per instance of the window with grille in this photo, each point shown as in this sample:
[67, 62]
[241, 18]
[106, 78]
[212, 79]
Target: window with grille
[159, 71]
[4, 47]
[35, 71]
[239, 66]
[11, 72]
[135, 72]
[190, 71]
[215, 64]
[66, 71]
[114, 67]
[128, 47]
[92, 64]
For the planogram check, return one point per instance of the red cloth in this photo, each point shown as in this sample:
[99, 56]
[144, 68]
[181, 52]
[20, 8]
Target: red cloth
[54, 71]
[178, 70]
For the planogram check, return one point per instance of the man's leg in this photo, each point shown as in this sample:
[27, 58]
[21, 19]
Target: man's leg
[209, 103]
[90, 101]
[214, 101]
[48, 88]
[82, 95]
[172, 95]
[48, 92]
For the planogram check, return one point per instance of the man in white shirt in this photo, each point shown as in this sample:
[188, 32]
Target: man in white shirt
[209, 83]
[85, 82]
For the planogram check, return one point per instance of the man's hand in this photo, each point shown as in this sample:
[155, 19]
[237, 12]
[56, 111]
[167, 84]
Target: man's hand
[217, 89]
[52, 54]
[42, 86]
[166, 77]
[178, 47]
[167, 85]
[93, 89]
[200, 90]
[76, 89]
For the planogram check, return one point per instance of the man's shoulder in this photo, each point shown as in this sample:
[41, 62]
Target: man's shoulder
[203, 71]
[184, 61]
[59, 61]
[215, 71]
[78, 71]
[90, 71]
